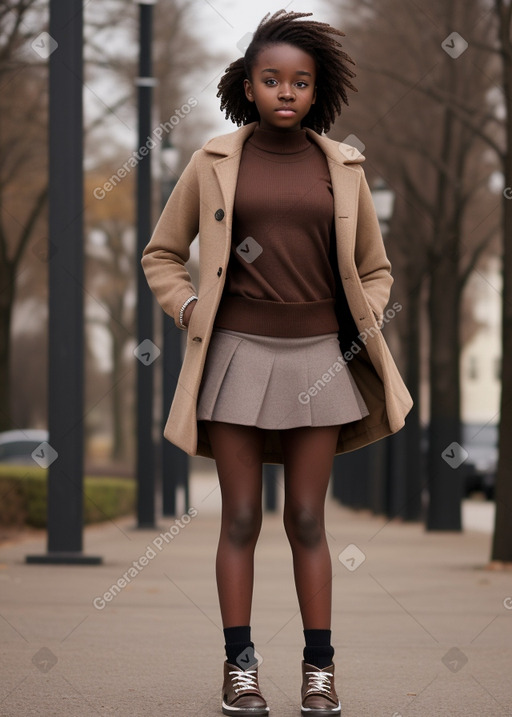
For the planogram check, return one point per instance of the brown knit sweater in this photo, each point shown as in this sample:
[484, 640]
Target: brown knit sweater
[279, 280]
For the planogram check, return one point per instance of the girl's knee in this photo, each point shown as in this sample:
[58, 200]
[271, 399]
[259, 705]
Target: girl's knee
[303, 527]
[243, 525]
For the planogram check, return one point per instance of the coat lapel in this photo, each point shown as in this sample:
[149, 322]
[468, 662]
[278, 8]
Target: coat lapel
[345, 179]
[226, 170]
[345, 186]
[229, 149]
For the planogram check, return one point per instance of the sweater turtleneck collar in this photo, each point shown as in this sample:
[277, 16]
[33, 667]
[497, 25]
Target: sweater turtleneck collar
[279, 142]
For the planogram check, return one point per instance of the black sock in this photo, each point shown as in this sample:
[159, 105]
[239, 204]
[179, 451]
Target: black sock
[318, 651]
[239, 648]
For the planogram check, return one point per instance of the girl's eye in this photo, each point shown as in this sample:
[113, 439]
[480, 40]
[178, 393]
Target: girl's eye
[300, 83]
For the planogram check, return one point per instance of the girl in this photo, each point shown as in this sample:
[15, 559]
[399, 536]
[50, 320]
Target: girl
[285, 361]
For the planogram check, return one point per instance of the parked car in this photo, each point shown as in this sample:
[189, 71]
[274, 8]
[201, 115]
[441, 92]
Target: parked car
[17, 446]
[478, 470]
[481, 442]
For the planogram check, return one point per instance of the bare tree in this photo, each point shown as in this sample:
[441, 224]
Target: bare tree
[110, 52]
[110, 281]
[24, 181]
[502, 45]
[436, 164]
[178, 56]
[23, 189]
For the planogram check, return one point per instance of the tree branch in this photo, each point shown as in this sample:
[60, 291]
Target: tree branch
[29, 225]
[459, 112]
[475, 256]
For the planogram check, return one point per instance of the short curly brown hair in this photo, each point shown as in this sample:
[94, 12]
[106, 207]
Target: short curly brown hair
[317, 39]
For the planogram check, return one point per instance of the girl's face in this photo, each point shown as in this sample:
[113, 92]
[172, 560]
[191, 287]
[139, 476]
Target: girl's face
[282, 86]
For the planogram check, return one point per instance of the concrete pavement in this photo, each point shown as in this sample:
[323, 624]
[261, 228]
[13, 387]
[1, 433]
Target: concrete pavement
[419, 627]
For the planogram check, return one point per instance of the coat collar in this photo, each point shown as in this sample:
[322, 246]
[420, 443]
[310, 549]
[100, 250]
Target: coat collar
[231, 143]
[341, 159]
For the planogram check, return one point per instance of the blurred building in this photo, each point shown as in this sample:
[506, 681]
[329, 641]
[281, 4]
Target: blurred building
[481, 356]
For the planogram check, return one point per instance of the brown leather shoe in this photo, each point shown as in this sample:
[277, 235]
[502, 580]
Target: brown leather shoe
[318, 693]
[241, 694]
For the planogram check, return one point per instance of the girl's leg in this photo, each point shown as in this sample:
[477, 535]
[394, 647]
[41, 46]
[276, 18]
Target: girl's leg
[238, 453]
[308, 454]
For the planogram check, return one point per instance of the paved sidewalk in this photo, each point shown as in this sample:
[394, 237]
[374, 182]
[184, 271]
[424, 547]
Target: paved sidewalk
[419, 627]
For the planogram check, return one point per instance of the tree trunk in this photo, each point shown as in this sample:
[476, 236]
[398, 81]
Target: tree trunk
[502, 540]
[117, 398]
[445, 454]
[6, 303]
[413, 444]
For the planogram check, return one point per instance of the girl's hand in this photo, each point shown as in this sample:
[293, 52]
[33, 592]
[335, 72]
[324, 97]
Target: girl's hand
[188, 312]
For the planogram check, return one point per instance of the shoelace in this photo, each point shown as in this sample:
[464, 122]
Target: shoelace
[245, 679]
[319, 682]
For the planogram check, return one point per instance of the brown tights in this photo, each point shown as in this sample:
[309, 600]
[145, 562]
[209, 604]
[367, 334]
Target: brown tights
[307, 455]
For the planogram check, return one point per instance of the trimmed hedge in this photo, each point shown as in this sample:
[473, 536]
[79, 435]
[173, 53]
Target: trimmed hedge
[23, 496]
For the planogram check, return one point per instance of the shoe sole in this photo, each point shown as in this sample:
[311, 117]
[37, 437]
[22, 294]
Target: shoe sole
[312, 712]
[244, 711]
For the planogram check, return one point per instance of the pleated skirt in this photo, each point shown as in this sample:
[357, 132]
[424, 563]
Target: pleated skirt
[277, 383]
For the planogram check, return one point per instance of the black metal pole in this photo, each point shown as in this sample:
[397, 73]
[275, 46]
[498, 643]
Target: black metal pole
[350, 472]
[63, 454]
[404, 500]
[270, 471]
[378, 476]
[175, 463]
[145, 379]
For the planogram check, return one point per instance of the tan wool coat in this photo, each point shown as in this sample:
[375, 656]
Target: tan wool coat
[202, 203]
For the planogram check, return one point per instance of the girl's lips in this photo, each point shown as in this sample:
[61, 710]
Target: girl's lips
[285, 112]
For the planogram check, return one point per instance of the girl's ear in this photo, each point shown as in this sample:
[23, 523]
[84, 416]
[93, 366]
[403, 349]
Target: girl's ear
[248, 90]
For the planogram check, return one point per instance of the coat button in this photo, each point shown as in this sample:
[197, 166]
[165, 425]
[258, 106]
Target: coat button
[197, 338]
[219, 271]
[219, 215]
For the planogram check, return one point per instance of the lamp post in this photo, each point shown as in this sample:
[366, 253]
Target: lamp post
[63, 454]
[144, 418]
[388, 477]
[362, 478]
[174, 460]
[404, 477]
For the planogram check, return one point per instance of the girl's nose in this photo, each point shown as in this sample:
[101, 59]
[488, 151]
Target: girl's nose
[286, 93]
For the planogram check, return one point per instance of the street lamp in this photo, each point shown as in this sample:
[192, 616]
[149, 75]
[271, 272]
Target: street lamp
[366, 478]
[359, 477]
[174, 461]
[169, 158]
[384, 202]
[396, 489]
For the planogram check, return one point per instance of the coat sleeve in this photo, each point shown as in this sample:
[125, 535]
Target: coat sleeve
[373, 265]
[164, 258]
